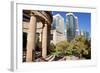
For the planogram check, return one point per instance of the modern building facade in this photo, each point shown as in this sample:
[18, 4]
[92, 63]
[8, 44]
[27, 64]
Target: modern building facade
[77, 27]
[57, 29]
[85, 34]
[58, 23]
[71, 26]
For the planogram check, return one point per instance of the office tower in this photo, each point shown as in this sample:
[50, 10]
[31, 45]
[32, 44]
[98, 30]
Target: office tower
[58, 23]
[57, 29]
[71, 26]
[77, 28]
[85, 34]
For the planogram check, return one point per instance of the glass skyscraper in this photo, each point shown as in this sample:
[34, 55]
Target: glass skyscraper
[85, 34]
[72, 26]
[58, 23]
[58, 29]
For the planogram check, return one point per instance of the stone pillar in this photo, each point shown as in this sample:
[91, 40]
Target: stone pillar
[44, 41]
[40, 36]
[31, 39]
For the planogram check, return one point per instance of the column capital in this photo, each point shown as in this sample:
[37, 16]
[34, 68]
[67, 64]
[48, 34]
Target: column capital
[31, 13]
[46, 22]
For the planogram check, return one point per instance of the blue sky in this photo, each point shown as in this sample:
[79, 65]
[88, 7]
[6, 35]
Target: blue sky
[84, 20]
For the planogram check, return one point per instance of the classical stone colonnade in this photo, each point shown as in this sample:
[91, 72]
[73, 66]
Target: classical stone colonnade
[36, 16]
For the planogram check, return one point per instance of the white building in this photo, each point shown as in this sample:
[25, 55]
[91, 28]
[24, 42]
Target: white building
[58, 21]
[58, 29]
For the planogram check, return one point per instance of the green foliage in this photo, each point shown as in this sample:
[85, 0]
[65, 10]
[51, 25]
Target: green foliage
[79, 47]
[61, 47]
[51, 48]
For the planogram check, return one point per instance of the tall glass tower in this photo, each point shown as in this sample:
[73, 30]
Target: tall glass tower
[77, 28]
[72, 26]
[58, 23]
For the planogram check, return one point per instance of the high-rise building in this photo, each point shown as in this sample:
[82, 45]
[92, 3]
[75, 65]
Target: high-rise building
[77, 28]
[85, 34]
[57, 29]
[58, 23]
[72, 26]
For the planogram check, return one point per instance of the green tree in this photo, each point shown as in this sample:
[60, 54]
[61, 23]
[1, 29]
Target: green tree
[80, 46]
[60, 48]
[51, 48]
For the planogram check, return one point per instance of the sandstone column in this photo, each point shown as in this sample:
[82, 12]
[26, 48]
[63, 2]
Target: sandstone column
[31, 39]
[44, 41]
[40, 36]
